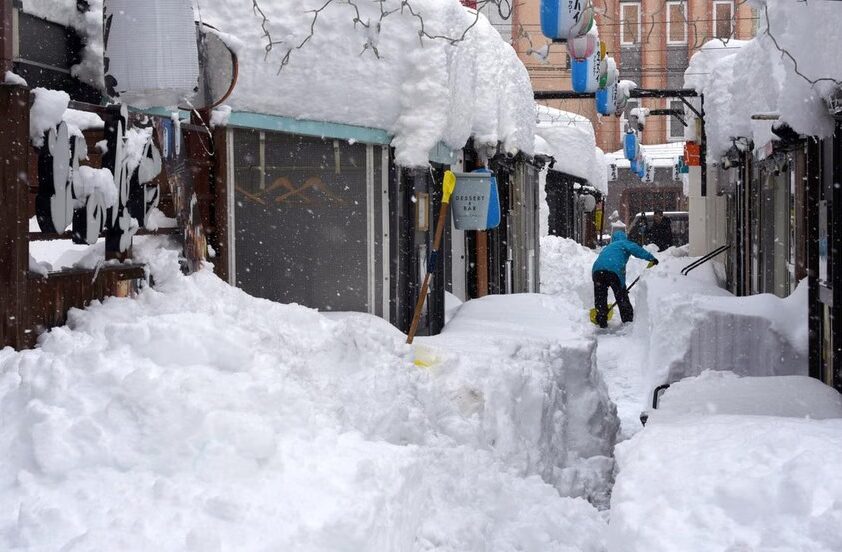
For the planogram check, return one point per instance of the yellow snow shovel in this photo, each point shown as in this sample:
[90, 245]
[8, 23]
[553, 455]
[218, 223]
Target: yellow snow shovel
[448, 185]
[614, 304]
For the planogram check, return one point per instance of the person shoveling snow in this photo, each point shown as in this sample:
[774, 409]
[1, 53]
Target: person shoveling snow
[609, 270]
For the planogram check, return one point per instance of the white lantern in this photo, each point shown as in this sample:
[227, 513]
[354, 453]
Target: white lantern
[582, 47]
[608, 74]
[585, 73]
[151, 54]
[565, 19]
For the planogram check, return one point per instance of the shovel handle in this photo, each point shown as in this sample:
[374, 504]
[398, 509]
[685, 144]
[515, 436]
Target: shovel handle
[628, 289]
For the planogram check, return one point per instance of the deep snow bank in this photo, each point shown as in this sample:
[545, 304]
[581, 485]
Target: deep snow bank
[702, 479]
[196, 417]
[715, 392]
[691, 325]
[566, 270]
[527, 367]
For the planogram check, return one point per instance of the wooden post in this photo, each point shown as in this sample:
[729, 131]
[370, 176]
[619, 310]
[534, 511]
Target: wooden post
[482, 263]
[14, 223]
[221, 233]
[7, 35]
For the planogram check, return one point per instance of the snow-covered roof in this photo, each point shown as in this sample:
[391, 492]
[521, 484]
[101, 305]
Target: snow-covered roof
[570, 139]
[421, 91]
[658, 155]
[743, 79]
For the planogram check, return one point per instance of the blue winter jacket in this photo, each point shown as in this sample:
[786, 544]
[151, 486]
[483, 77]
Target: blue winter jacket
[615, 255]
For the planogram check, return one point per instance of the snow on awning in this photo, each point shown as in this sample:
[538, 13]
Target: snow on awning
[420, 91]
[570, 140]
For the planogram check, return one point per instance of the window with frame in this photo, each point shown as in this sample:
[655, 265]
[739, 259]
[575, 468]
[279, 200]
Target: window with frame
[629, 23]
[676, 22]
[675, 130]
[723, 19]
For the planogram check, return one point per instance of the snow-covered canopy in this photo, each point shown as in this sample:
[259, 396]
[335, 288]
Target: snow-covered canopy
[422, 91]
[657, 155]
[792, 78]
[380, 76]
[570, 139]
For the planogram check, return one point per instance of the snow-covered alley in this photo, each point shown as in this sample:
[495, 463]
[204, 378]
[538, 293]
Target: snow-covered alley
[196, 417]
[328, 275]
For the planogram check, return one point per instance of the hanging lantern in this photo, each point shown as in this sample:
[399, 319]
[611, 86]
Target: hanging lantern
[151, 53]
[585, 73]
[582, 47]
[608, 74]
[631, 147]
[563, 19]
[606, 100]
[642, 167]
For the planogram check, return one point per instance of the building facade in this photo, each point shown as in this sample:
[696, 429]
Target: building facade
[652, 42]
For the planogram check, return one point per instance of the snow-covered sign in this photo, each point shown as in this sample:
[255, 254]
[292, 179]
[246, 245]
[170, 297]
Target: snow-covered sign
[135, 162]
[649, 174]
[151, 55]
[613, 172]
[475, 203]
[58, 161]
[118, 196]
[565, 19]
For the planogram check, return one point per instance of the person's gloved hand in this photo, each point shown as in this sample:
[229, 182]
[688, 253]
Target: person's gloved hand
[652, 263]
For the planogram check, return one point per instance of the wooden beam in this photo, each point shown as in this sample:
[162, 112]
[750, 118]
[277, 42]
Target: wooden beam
[7, 35]
[14, 223]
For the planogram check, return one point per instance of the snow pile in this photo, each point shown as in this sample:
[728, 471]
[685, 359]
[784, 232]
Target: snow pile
[89, 26]
[657, 155]
[50, 107]
[726, 393]
[758, 78]
[422, 91]
[719, 481]
[570, 139]
[566, 270]
[196, 417]
[47, 110]
[14, 79]
[92, 181]
[692, 325]
[527, 365]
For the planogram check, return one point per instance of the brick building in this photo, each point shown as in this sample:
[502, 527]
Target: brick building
[652, 41]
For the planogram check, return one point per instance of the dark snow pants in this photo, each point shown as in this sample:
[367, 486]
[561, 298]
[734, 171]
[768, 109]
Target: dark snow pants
[602, 280]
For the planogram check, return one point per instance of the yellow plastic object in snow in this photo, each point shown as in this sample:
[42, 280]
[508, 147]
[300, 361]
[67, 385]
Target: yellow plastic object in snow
[425, 357]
